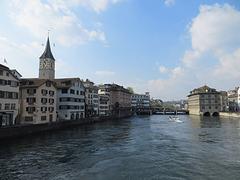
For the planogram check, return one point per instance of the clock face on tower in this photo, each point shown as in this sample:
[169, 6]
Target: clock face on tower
[46, 64]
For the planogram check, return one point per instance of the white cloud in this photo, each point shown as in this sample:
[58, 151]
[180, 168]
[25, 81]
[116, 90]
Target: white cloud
[169, 2]
[214, 57]
[58, 16]
[163, 69]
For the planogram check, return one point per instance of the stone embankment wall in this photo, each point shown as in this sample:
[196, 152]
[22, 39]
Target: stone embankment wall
[24, 130]
[230, 114]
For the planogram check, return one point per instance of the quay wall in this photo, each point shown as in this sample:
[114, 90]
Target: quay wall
[24, 130]
[230, 114]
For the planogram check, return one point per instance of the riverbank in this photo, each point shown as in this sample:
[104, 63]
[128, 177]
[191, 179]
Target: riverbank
[230, 114]
[18, 131]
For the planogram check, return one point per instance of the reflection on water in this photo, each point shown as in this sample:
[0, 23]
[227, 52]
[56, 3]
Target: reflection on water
[136, 148]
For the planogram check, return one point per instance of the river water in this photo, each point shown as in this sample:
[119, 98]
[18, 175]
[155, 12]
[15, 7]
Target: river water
[136, 148]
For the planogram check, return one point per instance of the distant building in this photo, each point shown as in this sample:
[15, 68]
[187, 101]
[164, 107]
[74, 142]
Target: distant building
[141, 103]
[91, 98]
[9, 94]
[204, 101]
[70, 99]
[234, 100]
[120, 99]
[37, 101]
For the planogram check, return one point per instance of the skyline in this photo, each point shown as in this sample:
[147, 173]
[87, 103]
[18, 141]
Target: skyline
[128, 43]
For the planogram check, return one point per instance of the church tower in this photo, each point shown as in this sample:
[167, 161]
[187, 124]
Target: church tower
[47, 63]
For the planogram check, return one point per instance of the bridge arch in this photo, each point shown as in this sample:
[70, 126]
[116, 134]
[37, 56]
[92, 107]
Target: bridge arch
[215, 114]
[206, 114]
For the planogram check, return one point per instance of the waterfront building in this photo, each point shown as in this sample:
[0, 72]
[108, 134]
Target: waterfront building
[9, 96]
[224, 101]
[234, 100]
[91, 98]
[141, 103]
[70, 99]
[204, 101]
[120, 99]
[37, 101]
[104, 101]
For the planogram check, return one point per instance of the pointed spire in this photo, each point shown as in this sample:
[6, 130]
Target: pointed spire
[47, 52]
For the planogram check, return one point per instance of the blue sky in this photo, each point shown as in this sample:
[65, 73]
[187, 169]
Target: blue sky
[167, 47]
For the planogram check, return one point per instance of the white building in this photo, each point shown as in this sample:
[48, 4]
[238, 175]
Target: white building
[91, 98]
[234, 100]
[104, 101]
[9, 92]
[37, 101]
[140, 102]
[70, 99]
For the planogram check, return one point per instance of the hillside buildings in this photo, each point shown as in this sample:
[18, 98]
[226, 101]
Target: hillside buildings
[9, 94]
[204, 101]
[91, 98]
[37, 101]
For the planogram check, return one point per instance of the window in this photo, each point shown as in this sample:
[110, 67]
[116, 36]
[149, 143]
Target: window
[43, 109]
[1, 72]
[50, 109]
[64, 91]
[72, 91]
[44, 92]
[31, 91]
[77, 92]
[48, 83]
[7, 106]
[43, 118]
[7, 73]
[13, 106]
[31, 100]
[30, 109]
[44, 100]
[51, 101]
[51, 93]
[28, 118]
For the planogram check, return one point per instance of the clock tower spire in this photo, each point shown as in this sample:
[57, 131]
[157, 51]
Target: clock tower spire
[47, 63]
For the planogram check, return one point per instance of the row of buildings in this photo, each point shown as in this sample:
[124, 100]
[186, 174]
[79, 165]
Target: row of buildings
[48, 99]
[208, 101]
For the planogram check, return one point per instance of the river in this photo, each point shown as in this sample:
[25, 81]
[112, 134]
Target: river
[136, 148]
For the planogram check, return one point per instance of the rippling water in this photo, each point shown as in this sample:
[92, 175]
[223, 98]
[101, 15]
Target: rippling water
[136, 148]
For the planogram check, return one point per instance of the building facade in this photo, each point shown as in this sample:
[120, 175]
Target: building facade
[120, 99]
[234, 100]
[141, 103]
[91, 99]
[9, 97]
[70, 99]
[104, 101]
[37, 101]
[204, 101]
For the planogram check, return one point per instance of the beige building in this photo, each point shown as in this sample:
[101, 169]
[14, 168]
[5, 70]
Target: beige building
[37, 101]
[91, 98]
[120, 99]
[9, 93]
[204, 101]
[70, 99]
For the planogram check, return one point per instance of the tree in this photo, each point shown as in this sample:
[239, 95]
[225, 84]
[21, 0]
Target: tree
[130, 90]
